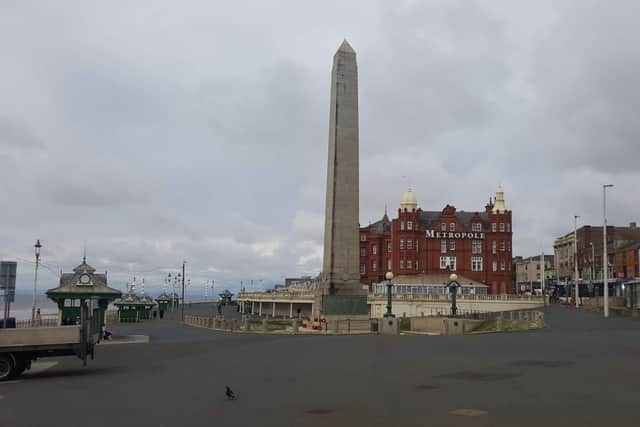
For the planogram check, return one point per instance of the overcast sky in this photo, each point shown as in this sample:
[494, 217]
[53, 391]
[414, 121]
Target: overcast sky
[162, 131]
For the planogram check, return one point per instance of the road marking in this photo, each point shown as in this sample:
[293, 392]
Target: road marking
[468, 412]
[11, 382]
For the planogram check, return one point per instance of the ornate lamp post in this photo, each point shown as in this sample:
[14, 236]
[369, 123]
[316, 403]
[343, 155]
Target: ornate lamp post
[37, 247]
[453, 286]
[389, 277]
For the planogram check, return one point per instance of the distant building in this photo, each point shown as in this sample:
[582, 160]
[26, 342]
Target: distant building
[621, 243]
[626, 261]
[475, 245]
[528, 272]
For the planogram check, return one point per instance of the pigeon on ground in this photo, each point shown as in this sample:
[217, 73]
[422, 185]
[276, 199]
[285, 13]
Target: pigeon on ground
[230, 394]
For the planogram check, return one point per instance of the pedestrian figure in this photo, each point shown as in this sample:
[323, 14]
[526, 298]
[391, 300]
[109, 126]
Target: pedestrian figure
[219, 308]
[230, 394]
[155, 314]
[161, 314]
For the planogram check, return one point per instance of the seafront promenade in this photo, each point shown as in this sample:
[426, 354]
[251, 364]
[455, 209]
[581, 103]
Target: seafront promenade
[580, 370]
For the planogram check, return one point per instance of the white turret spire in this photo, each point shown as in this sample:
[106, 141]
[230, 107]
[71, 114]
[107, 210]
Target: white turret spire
[498, 205]
[409, 201]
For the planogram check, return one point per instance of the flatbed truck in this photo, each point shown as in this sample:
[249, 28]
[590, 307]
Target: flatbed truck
[20, 346]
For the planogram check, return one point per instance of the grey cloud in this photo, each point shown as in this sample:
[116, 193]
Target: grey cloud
[17, 135]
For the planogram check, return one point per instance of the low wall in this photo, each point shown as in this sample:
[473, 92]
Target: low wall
[418, 308]
[507, 321]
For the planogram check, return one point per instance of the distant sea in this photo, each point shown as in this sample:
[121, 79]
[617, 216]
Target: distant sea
[21, 308]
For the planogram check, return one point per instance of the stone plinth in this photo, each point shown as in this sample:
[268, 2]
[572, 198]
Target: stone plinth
[389, 326]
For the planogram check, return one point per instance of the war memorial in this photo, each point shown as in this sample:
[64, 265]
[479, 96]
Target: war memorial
[343, 293]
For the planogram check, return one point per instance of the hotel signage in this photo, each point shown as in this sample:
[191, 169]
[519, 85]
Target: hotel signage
[432, 234]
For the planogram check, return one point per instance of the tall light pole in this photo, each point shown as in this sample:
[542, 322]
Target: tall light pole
[37, 247]
[575, 258]
[182, 312]
[542, 275]
[593, 265]
[605, 255]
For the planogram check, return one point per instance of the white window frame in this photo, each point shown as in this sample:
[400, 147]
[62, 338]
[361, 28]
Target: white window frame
[409, 264]
[493, 227]
[401, 263]
[363, 268]
[409, 225]
[363, 237]
[374, 249]
[452, 245]
[476, 246]
[476, 227]
[409, 243]
[401, 244]
[502, 246]
[452, 226]
[444, 261]
[401, 225]
[443, 227]
[502, 265]
[374, 266]
[389, 246]
[476, 263]
[502, 227]
[493, 246]
[443, 246]
[363, 251]
[452, 263]
[494, 266]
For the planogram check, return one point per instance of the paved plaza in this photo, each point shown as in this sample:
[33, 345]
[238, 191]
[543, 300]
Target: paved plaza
[581, 370]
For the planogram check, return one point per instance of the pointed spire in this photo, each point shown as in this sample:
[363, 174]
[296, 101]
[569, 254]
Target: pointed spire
[346, 47]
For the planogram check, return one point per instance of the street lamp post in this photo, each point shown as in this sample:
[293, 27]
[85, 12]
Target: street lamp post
[605, 255]
[593, 266]
[575, 258]
[453, 286]
[389, 277]
[37, 247]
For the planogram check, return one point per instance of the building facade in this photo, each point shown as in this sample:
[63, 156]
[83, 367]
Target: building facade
[474, 245]
[528, 272]
[620, 240]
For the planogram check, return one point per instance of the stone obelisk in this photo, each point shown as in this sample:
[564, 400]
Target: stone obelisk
[341, 265]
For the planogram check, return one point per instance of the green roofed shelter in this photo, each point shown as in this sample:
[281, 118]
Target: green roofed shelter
[225, 297]
[134, 308]
[83, 285]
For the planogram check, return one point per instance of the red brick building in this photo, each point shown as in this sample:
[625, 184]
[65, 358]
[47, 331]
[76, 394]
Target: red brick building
[474, 245]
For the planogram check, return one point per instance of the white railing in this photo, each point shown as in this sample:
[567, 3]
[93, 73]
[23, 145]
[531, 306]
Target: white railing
[275, 295]
[466, 297]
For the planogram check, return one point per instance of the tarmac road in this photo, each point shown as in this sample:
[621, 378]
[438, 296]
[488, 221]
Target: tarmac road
[582, 370]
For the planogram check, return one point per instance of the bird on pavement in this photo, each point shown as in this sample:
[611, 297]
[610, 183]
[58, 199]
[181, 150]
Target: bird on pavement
[230, 394]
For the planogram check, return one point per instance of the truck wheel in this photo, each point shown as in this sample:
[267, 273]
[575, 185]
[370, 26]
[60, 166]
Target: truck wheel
[6, 367]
